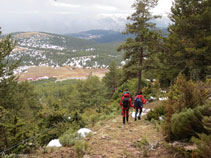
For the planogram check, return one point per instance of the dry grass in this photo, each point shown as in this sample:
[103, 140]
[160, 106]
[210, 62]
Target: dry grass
[61, 73]
[153, 104]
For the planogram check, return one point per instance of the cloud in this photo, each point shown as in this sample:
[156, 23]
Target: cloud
[105, 7]
[66, 16]
[60, 4]
[163, 7]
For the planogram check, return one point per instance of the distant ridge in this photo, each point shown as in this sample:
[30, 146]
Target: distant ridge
[104, 36]
[100, 36]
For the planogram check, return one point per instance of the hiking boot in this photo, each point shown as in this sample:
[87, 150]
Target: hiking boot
[135, 119]
[127, 118]
[139, 118]
[123, 120]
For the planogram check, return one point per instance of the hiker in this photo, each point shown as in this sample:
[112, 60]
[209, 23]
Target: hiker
[125, 103]
[138, 104]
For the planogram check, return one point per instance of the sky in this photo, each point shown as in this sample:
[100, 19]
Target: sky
[69, 16]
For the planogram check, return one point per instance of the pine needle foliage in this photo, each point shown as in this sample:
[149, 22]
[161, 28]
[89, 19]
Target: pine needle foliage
[188, 48]
[144, 44]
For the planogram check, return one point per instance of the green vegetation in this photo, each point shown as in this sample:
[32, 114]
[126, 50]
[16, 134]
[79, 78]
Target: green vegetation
[145, 44]
[187, 48]
[40, 111]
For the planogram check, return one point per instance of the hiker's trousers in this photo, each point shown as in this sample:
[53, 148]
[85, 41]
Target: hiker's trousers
[139, 113]
[125, 111]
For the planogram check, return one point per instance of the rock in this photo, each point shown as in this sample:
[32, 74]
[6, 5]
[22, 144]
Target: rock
[54, 143]
[186, 146]
[114, 121]
[105, 137]
[86, 156]
[94, 133]
[139, 140]
[190, 147]
[154, 146]
[83, 132]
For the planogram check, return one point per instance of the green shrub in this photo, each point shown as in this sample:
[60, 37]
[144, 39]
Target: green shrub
[68, 138]
[156, 112]
[190, 122]
[204, 145]
[185, 95]
[81, 147]
[94, 118]
[144, 146]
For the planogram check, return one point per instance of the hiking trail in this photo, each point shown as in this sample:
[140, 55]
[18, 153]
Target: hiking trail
[112, 139]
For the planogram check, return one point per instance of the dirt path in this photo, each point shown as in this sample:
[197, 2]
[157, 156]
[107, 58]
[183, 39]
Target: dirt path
[112, 139]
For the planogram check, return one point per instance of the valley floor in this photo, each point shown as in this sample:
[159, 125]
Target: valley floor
[60, 73]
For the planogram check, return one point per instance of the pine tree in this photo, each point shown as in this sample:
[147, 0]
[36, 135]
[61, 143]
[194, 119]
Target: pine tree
[188, 48]
[144, 44]
[111, 78]
[18, 102]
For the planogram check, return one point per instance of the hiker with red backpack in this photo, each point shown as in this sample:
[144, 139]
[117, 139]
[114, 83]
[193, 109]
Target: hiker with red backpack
[138, 105]
[126, 103]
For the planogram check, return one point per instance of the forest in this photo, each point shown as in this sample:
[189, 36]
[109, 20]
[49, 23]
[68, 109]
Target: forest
[33, 113]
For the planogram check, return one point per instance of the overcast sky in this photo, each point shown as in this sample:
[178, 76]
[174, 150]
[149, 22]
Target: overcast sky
[68, 16]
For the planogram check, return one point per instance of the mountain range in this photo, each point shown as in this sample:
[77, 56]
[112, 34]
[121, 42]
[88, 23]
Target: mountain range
[89, 49]
[100, 36]
[53, 50]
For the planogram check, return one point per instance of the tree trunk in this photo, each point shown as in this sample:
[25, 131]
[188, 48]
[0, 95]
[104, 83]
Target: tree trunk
[140, 71]
[5, 138]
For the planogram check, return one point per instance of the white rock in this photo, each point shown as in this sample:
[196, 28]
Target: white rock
[54, 143]
[152, 98]
[164, 98]
[160, 118]
[83, 132]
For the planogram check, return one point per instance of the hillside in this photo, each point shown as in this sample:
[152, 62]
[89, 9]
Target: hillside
[111, 139]
[49, 41]
[52, 50]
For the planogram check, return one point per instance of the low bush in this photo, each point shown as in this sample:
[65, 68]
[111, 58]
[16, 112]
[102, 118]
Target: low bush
[186, 109]
[81, 147]
[190, 122]
[68, 138]
[156, 112]
[204, 145]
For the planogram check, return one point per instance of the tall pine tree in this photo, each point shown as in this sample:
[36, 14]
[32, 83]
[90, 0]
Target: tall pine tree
[188, 46]
[145, 42]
